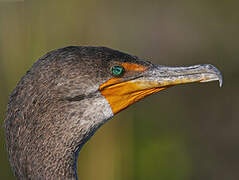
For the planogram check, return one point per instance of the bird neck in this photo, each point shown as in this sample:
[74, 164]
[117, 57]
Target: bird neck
[49, 139]
[85, 117]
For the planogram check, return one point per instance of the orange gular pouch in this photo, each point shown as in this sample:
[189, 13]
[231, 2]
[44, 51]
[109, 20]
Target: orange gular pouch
[120, 94]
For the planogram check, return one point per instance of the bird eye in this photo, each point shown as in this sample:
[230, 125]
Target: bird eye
[117, 70]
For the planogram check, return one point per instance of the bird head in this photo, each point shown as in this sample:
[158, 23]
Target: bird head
[121, 78]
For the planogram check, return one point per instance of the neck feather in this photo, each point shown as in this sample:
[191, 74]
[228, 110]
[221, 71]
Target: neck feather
[43, 142]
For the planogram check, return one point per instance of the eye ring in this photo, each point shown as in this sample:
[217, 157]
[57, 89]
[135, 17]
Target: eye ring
[117, 70]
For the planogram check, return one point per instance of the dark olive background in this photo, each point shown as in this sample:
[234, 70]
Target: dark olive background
[189, 132]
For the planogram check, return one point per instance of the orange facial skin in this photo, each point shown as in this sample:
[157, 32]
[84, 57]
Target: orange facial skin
[123, 94]
[134, 67]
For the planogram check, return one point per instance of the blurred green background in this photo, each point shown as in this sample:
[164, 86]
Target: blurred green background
[187, 132]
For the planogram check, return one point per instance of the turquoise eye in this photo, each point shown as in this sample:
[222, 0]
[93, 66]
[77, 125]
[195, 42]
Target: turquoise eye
[117, 70]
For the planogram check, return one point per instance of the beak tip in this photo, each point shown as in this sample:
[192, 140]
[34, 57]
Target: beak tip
[217, 73]
[220, 81]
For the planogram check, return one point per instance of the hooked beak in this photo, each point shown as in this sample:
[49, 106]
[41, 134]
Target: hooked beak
[163, 76]
[122, 93]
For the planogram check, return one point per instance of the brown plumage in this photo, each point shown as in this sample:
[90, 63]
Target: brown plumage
[68, 94]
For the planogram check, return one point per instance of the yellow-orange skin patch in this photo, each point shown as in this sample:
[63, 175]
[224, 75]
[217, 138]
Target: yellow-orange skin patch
[123, 94]
[133, 67]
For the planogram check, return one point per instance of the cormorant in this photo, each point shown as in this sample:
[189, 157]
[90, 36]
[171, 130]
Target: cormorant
[69, 93]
